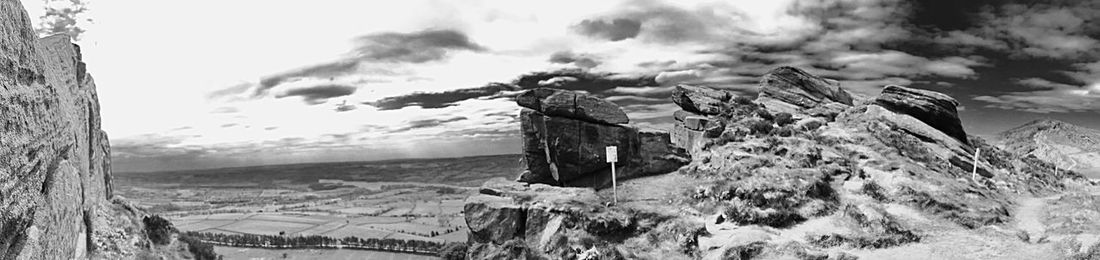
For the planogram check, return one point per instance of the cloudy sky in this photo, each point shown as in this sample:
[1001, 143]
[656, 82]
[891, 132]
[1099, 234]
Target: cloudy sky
[200, 84]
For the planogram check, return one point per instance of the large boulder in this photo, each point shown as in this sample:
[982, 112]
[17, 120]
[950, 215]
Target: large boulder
[570, 152]
[700, 100]
[797, 87]
[573, 105]
[933, 108]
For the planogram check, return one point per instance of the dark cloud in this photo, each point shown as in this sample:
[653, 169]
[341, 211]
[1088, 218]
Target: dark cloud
[323, 70]
[417, 47]
[427, 123]
[575, 79]
[615, 30]
[432, 100]
[318, 94]
[568, 57]
[65, 19]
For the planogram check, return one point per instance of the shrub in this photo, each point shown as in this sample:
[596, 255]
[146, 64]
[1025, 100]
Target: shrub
[872, 189]
[784, 118]
[742, 100]
[453, 251]
[201, 250]
[158, 229]
[760, 127]
[785, 131]
[763, 113]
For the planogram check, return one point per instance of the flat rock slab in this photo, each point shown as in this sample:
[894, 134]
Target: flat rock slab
[580, 106]
[700, 100]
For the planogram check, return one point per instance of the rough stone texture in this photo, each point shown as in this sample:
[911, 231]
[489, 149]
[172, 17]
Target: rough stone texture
[933, 108]
[569, 104]
[570, 152]
[795, 86]
[55, 174]
[700, 99]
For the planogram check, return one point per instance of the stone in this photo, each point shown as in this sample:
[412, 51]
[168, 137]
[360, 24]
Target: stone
[700, 100]
[494, 219]
[714, 128]
[680, 115]
[797, 87]
[933, 108]
[696, 123]
[570, 152]
[569, 104]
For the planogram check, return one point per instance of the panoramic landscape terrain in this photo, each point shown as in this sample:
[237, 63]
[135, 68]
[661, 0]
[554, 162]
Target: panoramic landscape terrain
[495, 129]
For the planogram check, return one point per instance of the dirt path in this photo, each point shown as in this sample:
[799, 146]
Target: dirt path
[1029, 217]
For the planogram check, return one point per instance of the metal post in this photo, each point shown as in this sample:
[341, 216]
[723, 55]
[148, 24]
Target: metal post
[614, 185]
[974, 173]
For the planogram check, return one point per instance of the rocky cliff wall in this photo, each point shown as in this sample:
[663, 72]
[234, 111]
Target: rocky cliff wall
[55, 177]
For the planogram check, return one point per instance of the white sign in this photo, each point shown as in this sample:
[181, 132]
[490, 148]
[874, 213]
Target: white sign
[612, 154]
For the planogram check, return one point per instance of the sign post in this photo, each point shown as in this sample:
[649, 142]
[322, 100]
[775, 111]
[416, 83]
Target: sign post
[612, 157]
[974, 173]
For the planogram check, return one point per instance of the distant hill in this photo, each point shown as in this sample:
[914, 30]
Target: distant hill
[1067, 145]
[464, 171]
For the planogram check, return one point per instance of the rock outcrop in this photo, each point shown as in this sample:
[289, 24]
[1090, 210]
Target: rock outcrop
[700, 100]
[795, 86]
[564, 141]
[932, 108]
[55, 175]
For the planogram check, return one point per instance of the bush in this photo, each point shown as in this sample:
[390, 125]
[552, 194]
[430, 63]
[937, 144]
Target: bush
[201, 250]
[761, 127]
[785, 131]
[763, 113]
[453, 251]
[742, 100]
[783, 119]
[158, 229]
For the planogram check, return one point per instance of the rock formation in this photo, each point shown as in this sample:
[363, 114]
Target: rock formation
[55, 178]
[932, 108]
[795, 86]
[1068, 146]
[801, 172]
[565, 133]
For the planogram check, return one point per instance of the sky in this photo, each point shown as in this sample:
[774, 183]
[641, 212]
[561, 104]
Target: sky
[205, 84]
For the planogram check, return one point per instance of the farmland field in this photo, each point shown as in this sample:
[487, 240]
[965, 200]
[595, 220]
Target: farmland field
[334, 254]
[407, 199]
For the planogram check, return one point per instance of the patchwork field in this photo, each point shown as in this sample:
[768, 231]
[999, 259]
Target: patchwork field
[333, 200]
[264, 254]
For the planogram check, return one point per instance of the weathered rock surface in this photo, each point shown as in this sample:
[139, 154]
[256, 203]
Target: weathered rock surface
[567, 151]
[933, 108]
[55, 176]
[700, 100]
[795, 86]
[511, 220]
[573, 105]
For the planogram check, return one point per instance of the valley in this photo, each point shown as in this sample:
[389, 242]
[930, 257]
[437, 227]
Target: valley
[403, 200]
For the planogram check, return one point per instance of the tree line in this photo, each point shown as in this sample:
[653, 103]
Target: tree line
[298, 242]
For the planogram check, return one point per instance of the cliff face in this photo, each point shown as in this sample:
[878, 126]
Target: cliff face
[55, 177]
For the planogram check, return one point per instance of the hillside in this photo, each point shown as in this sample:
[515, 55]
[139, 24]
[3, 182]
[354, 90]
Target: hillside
[1068, 146]
[804, 170]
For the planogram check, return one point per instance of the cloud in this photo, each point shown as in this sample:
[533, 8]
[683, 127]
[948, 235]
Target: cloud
[318, 94]
[417, 47]
[573, 79]
[427, 123]
[431, 100]
[1050, 97]
[322, 70]
[344, 107]
[568, 57]
[616, 30]
[63, 16]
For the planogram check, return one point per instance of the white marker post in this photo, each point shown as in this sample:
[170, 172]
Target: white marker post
[974, 173]
[612, 157]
